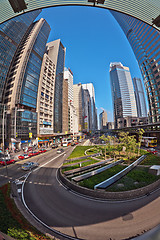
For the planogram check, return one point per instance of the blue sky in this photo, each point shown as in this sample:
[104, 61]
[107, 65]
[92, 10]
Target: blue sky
[93, 39]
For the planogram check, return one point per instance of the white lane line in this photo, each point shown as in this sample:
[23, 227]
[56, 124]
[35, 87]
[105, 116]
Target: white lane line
[19, 182]
[33, 215]
[47, 162]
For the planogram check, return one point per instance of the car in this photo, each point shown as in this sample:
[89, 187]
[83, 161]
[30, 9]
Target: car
[152, 150]
[4, 161]
[73, 144]
[60, 150]
[33, 154]
[23, 156]
[54, 146]
[42, 150]
[76, 143]
[29, 165]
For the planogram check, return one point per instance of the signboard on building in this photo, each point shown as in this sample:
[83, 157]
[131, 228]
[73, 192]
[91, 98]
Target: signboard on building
[30, 135]
[46, 130]
[47, 123]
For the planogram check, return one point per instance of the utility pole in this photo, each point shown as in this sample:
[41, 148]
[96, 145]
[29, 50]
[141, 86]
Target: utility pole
[3, 136]
[3, 127]
[15, 121]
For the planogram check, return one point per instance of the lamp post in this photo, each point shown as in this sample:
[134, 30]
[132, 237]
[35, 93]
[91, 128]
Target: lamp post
[3, 136]
[3, 127]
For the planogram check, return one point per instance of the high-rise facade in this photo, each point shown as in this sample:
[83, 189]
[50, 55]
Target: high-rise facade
[45, 99]
[72, 115]
[22, 81]
[11, 34]
[140, 98]
[78, 102]
[145, 42]
[56, 52]
[90, 88]
[123, 97]
[65, 107]
[103, 119]
[87, 111]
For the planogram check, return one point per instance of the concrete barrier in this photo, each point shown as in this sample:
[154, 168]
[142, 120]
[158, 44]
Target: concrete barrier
[94, 172]
[102, 194]
[119, 175]
[76, 170]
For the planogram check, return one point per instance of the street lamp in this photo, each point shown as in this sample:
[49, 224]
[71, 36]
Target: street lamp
[3, 135]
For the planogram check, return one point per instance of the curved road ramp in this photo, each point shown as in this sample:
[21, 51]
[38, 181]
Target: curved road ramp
[94, 172]
[119, 175]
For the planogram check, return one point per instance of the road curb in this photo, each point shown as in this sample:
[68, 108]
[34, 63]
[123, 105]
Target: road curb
[103, 195]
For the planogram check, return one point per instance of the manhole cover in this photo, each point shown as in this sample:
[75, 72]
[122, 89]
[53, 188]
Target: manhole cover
[127, 217]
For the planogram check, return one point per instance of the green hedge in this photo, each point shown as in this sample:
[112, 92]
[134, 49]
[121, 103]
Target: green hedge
[12, 221]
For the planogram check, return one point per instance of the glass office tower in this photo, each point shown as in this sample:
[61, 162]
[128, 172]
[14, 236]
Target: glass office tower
[145, 42]
[140, 98]
[123, 97]
[56, 51]
[20, 95]
[90, 88]
[11, 34]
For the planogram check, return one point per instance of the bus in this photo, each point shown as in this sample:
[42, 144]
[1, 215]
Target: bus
[66, 142]
[149, 142]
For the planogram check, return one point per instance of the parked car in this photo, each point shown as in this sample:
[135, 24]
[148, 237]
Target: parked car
[23, 156]
[29, 165]
[73, 143]
[54, 146]
[60, 150]
[33, 154]
[4, 161]
[152, 150]
[76, 143]
[42, 150]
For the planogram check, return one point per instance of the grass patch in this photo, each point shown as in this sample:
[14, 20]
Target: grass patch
[90, 182]
[137, 178]
[79, 151]
[83, 164]
[12, 221]
[74, 161]
[151, 159]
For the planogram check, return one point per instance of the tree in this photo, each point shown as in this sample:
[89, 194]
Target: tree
[129, 142]
[140, 135]
[103, 137]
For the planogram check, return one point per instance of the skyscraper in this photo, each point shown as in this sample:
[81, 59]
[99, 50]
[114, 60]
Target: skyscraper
[56, 52]
[103, 119]
[68, 76]
[45, 99]
[123, 97]
[22, 81]
[87, 110]
[78, 102]
[144, 41]
[140, 98]
[65, 107]
[11, 34]
[90, 88]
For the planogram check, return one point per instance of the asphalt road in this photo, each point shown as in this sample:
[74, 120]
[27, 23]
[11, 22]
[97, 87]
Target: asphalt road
[81, 217]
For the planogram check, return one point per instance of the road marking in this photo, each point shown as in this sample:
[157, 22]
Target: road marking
[33, 215]
[47, 162]
[19, 182]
